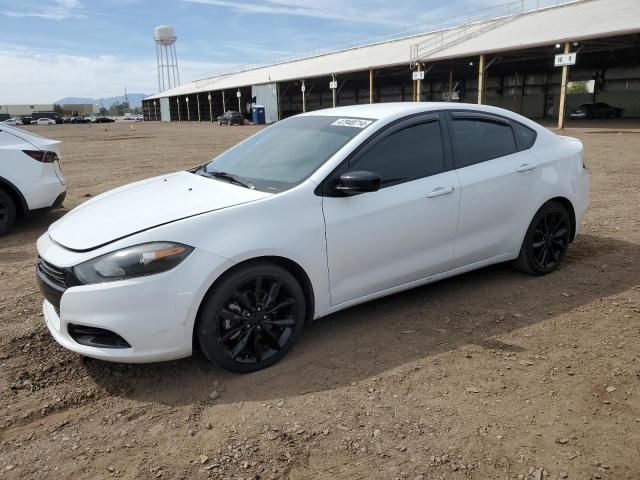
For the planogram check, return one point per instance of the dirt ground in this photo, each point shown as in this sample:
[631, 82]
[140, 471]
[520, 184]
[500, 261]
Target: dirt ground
[490, 375]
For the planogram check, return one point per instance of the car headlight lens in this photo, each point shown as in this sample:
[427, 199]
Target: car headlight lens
[145, 259]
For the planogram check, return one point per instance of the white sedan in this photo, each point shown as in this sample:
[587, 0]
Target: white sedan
[43, 121]
[30, 175]
[312, 215]
[12, 122]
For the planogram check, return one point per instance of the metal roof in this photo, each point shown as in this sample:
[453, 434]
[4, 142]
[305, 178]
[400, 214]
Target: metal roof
[582, 20]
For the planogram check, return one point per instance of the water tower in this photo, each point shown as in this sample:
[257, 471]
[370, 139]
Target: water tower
[168, 75]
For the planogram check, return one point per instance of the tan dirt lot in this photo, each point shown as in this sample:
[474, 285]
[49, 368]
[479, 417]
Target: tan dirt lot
[490, 375]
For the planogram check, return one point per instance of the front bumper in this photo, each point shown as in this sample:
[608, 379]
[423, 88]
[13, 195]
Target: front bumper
[154, 315]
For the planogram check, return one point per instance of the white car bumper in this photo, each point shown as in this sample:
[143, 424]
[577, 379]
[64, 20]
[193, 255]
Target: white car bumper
[155, 314]
[583, 198]
[44, 193]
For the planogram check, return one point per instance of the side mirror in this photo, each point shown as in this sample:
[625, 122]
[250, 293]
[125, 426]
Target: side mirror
[353, 183]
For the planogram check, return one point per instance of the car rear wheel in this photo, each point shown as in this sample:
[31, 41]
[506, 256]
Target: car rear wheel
[7, 212]
[251, 318]
[546, 242]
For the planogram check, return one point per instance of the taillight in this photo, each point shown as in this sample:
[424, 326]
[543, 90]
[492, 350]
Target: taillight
[42, 155]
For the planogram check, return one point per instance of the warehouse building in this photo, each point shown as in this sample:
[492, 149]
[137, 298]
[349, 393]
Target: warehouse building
[505, 56]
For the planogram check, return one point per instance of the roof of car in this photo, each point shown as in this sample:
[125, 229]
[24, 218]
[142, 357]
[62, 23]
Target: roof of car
[392, 110]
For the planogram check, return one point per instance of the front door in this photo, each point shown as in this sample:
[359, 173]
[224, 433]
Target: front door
[403, 232]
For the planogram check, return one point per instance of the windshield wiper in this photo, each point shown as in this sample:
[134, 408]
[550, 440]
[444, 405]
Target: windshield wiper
[232, 179]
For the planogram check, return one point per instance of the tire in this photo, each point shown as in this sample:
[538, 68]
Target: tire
[549, 231]
[247, 322]
[219, 123]
[7, 212]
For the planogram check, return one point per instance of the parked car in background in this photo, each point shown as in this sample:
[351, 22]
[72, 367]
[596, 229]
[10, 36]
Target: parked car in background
[104, 120]
[55, 116]
[309, 216]
[43, 121]
[30, 174]
[12, 121]
[595, 110]
[231, 118]
[79, 119]
[26, 120]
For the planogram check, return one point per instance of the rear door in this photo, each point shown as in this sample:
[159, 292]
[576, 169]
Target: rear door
[497, 174]
[403, 232]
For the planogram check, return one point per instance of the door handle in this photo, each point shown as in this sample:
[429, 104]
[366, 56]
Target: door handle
[440, 191]
[525, 167]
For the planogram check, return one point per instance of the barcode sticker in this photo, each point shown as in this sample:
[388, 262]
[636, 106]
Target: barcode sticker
[352, 122]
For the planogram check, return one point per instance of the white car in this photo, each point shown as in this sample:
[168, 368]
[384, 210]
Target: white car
[12, 122]
[312, 215]
[43, 121]
[30, 174]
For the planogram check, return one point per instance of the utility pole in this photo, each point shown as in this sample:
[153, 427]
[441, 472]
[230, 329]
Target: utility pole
[563, 89]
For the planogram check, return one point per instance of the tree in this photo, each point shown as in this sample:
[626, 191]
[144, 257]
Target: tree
[578, 87]
[119, 109]
[58, 109]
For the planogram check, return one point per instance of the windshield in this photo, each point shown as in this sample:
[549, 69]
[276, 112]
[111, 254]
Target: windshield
[285, 154]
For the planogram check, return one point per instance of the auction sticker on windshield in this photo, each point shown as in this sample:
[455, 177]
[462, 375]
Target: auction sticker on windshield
[352, 122]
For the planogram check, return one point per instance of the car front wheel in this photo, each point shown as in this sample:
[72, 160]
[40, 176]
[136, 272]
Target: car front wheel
[546, 242]
[7, 212]
[251, 318]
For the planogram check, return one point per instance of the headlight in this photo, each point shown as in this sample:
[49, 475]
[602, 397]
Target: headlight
[145, 259]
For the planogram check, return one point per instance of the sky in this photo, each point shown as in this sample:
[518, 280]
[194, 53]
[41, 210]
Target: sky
[51, 49]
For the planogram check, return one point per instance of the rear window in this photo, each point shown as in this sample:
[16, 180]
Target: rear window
[525, 136]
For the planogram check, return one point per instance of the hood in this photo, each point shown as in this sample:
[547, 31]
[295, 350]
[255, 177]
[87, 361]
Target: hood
[143, 205]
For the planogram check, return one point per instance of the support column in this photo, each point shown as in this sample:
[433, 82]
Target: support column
[450, 83]
[210, 108]
[418, 86]
[188, 110]
[198, 100]
[224, 105]
[333, 92]
[178, 103]
[481, 80]
[304, 97]
[371, 85]
[239, 107]
[563, 90]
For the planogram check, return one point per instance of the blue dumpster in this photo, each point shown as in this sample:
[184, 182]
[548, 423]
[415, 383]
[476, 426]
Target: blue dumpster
[257, 111]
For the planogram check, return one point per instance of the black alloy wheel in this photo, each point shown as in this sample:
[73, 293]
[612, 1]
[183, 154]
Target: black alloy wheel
[7, 211]
[547, 240]
[252, 318]
[550, 240]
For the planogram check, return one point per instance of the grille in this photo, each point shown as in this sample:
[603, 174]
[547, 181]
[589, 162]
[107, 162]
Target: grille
[57, 276]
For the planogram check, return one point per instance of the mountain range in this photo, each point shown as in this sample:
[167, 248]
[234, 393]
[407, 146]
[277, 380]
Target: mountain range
[135, 100]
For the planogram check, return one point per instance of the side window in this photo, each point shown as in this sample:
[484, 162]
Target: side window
[408, 154]
[478, 140]
[524, 135]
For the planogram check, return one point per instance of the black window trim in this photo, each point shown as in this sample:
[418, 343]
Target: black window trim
[325, 188]
[453, 115]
